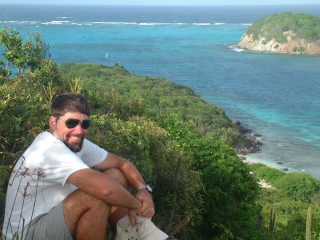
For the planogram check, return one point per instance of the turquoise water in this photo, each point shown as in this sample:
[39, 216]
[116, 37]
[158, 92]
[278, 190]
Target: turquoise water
[275, 95]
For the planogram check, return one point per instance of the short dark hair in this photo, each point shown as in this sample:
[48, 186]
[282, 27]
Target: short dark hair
[69, 102]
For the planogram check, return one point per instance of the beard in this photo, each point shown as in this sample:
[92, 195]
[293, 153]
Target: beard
[74, 146]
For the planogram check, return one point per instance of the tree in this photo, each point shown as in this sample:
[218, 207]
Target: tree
[28, 81]
[230, 192]
[21, 55]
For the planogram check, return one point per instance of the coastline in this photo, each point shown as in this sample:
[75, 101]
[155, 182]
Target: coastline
[279, 157]
[250, 158]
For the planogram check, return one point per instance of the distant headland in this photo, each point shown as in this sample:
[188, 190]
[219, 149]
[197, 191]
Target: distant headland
[291, 33]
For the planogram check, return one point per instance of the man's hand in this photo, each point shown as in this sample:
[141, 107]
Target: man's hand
[147, 209]
[132, 214]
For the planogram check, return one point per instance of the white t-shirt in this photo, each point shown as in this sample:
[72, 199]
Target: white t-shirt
[39, 179]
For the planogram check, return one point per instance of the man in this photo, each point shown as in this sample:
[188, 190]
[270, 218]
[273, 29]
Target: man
[54, 193]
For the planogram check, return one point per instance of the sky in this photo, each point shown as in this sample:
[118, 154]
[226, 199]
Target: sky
[162, 2]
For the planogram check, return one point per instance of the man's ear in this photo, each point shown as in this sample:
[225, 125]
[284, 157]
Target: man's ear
[52, 122]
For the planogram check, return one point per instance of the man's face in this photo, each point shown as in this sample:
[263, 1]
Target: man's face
[72, 136]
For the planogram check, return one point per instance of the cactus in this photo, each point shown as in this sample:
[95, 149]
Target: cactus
[308, 224]
[272, 220]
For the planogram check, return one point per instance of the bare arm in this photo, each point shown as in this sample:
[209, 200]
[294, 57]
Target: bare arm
[103, 187]
[131, 173]
[134, 179]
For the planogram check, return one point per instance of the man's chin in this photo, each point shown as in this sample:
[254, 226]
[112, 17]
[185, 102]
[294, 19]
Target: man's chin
[74, 147]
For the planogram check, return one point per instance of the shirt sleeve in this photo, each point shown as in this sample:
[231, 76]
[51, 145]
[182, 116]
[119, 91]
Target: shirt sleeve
[92, 154]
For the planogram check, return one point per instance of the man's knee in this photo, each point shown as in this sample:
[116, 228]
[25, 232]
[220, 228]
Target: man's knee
[81, 200]
[78, 203]
[118, 176]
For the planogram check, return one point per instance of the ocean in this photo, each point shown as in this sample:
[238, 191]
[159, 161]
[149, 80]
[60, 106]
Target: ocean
[277, 96]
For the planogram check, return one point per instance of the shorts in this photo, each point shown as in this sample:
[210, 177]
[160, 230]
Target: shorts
[49, 226]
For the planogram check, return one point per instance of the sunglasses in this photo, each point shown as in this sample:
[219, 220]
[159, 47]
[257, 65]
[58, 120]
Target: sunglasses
[72, 123]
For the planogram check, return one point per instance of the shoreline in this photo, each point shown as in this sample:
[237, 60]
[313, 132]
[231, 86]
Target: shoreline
[278, 155]
[256, 160]
[248, 153]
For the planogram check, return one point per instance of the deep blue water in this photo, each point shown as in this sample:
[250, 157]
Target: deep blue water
[275, 95]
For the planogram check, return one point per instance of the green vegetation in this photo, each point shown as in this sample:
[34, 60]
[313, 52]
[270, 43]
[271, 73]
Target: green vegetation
[184, 146]
[289, 199]
[158, 96]
[303, 26]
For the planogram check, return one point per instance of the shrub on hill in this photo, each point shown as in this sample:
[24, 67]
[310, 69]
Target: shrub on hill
[300, 25]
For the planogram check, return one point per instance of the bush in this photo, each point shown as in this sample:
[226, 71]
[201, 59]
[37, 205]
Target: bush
[304, 26]
[301, 186]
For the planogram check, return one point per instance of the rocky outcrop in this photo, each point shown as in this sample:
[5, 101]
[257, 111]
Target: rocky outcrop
[250, 141]
[292, 46]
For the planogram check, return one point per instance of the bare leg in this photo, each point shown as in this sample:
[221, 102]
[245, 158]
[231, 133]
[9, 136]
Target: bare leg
[87, 217]
[117, 212]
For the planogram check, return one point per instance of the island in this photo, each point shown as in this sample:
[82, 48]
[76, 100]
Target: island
[289, 33]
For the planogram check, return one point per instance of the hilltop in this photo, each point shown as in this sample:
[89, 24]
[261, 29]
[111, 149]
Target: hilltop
[291, 33]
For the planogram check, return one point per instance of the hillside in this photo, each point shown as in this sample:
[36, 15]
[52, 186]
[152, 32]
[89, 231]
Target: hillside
[164, 98]
[291, 33]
